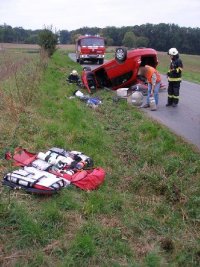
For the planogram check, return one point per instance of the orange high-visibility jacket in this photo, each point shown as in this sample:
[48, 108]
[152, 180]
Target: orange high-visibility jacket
[150, 72]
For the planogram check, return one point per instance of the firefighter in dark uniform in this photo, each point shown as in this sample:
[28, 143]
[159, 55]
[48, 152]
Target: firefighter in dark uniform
[74, 77]
[174, 77]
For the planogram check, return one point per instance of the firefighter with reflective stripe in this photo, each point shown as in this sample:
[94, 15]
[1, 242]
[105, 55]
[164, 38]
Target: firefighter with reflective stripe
[174, 77]
[154, 80]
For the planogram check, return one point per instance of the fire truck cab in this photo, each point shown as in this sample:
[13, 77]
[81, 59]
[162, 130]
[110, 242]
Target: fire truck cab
[90, 48]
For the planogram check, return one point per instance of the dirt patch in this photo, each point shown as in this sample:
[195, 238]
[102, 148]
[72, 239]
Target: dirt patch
[109, 222]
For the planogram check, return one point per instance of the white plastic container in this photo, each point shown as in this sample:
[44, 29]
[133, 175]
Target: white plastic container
[152, 103]
[122, 92]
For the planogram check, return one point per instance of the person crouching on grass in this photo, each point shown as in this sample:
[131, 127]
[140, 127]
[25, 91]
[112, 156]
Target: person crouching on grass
[153, 80]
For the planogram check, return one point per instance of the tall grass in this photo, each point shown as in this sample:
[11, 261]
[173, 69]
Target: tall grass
[191, 66]
[145, 214]
[18, 88]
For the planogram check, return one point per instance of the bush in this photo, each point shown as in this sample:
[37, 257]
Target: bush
[48, 40]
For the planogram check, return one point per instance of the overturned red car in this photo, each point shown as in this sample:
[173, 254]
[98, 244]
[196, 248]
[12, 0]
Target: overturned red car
[122, 71]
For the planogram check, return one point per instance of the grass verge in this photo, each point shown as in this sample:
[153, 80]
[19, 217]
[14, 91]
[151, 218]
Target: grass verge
[145, 214]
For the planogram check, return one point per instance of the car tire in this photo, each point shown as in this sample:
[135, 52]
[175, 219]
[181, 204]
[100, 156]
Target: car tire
[120, 54]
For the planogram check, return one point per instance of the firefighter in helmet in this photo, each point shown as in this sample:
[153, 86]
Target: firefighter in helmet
[74, 77]
[174, 77]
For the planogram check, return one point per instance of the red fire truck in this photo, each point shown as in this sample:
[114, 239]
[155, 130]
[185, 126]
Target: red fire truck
[90, 48]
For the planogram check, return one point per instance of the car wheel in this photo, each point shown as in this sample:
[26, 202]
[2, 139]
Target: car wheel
[120, 54]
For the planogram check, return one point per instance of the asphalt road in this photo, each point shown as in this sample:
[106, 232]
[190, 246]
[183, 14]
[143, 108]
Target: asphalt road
[184, 120]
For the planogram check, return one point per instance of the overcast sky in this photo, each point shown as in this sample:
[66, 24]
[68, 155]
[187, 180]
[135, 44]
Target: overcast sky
[71, 14]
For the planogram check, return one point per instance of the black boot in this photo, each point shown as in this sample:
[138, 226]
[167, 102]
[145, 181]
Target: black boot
[175, 103]
[169, 102]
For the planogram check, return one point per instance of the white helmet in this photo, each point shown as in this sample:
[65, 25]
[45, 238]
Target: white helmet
[74, 72]
[173, 52]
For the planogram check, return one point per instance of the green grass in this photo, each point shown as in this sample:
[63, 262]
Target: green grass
[146, 213]
[191, 66]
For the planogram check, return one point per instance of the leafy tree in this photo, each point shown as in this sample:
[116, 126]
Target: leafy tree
[109, 41]
[7, 34]
[160, 36]
[74, 38]
[113, 33]
[64, 37]
[20, 34]
[31, 39]
[129, 40]
[142, 41]
[48, 41]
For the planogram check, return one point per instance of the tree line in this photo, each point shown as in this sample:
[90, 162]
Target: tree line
[160, 36]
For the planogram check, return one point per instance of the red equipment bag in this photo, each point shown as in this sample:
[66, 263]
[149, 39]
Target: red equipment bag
[88, 179]
[80, 176]
[21, 157]
[84, 179]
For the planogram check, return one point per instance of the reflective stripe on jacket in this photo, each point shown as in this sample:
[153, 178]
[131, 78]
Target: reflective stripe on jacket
[175, 70]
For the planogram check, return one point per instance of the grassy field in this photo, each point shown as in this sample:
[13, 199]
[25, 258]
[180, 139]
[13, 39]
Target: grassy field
[191, 62]
[145, 214]
[191, 66]
[14, 57]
